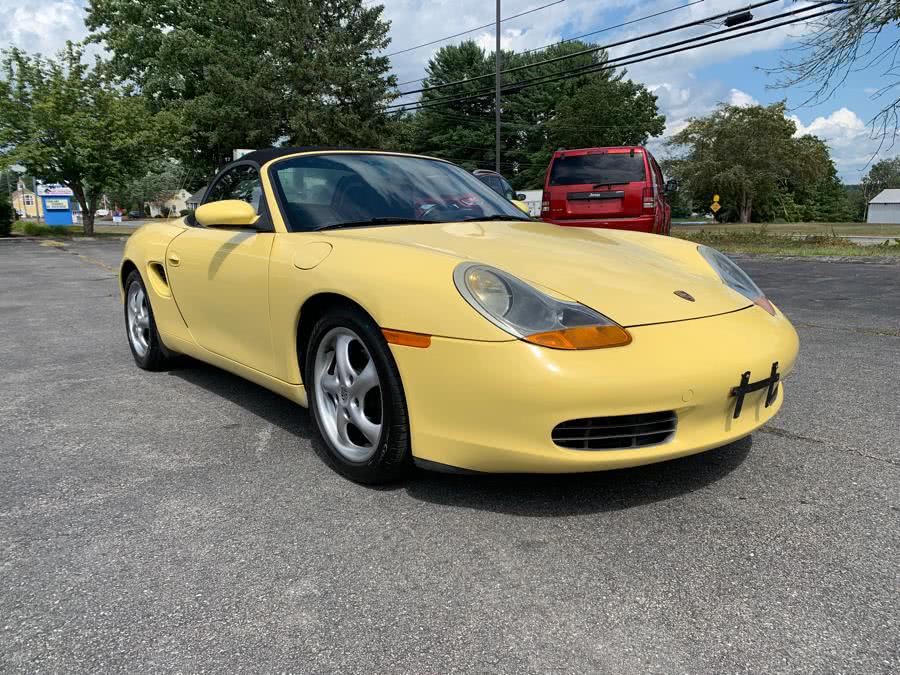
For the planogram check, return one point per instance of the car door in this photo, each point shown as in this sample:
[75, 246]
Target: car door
[220, 276]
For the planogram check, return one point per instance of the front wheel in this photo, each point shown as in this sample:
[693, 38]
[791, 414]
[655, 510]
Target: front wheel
[356, 397]
[143, 338]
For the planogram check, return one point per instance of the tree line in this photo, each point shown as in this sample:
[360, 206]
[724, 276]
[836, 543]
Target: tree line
[183, 84]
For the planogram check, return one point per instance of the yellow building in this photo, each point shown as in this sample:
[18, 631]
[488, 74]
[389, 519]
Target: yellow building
[26, 203]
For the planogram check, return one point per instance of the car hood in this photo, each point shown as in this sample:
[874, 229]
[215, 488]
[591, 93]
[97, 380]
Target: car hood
[630, 277]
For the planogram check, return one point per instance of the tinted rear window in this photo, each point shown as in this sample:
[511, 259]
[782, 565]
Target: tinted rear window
[598, 168]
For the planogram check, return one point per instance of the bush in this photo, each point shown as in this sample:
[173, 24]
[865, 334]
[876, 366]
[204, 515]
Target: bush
[33, 229]
[184, 212]
[6, 216]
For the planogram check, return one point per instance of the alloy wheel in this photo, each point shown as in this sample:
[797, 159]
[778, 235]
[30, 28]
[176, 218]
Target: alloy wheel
[138, 319]
[348, 394]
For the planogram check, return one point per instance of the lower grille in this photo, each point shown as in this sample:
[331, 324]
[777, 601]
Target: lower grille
[616, 433]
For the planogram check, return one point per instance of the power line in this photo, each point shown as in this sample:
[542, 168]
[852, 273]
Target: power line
[474, 120]
[578, 37]
[630, 59]
[591, 50]
[472, 30]
[609, 28]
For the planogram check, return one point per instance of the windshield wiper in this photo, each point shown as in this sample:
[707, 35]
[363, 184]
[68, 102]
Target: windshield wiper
[375, 221]
[486, 218]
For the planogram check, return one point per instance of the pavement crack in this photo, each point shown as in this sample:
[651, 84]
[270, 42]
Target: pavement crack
[784, 433]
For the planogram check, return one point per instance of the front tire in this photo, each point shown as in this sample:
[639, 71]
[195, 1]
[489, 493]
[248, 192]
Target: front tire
[140, 326]
[356, 398]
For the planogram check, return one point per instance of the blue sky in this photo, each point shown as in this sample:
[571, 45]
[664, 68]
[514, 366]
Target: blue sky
[687, 85]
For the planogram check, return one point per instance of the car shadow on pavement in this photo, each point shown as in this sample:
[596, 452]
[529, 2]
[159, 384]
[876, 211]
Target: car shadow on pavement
[530, 495]
[574, 494]
[257, 400]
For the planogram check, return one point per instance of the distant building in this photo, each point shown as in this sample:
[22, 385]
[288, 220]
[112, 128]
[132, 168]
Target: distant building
[26, 203]
[885, 207]
[194, 200]
[174, 204]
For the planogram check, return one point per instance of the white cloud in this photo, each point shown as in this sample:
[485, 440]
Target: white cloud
[843, 127]
[41, 25]
[852, 146]
[741, 98]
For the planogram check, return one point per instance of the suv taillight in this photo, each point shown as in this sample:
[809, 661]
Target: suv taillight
[545, 202]
[649, 198]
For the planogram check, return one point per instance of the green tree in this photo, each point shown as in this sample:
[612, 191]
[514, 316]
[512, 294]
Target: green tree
[65, 122]
[162, 179]
[598, 108]
[749, 156]
[250, 73]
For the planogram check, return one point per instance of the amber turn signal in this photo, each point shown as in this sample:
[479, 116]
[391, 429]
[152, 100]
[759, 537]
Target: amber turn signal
[405, 338]
[583, 337]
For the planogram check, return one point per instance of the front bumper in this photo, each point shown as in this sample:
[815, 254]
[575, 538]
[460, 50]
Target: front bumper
[491, 406]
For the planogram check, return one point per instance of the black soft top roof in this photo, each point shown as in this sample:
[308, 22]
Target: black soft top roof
[267, 154]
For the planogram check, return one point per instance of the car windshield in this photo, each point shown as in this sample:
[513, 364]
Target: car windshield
[598, 168]
[349, 189]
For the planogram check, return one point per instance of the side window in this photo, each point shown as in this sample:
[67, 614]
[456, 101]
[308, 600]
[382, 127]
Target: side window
[657, 172]
[492, 182]
[242, 182]
[507, 190]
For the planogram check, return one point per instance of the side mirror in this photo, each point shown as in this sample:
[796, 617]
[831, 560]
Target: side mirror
[520, 197]
[226, 213]
[672, 185]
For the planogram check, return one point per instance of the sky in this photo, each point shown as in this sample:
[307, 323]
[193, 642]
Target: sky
[687, 85]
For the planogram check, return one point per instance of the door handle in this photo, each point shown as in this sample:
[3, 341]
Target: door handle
[174, 260]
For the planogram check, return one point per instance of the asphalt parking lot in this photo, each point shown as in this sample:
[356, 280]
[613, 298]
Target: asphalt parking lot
[182, 520]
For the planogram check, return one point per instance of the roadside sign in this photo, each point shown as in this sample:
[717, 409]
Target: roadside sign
[715, 198]
[715, 206]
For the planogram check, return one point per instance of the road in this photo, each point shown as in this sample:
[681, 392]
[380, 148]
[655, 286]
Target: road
[182, 521]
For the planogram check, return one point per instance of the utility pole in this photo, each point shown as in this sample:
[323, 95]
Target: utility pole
[497, 65]
[37, 199]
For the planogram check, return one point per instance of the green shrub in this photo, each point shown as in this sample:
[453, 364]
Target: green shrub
[184, 212]
[33, 229]
[6, 216]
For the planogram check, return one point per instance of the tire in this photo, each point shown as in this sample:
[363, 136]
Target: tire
[364, 426]
[140, 326]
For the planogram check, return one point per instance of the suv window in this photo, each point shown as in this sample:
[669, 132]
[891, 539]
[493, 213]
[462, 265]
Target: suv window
[598, 168]
[241, 182]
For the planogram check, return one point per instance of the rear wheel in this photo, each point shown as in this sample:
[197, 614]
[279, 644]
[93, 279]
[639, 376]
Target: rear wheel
[140, 326]
[356, 397]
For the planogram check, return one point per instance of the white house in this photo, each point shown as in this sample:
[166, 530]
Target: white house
[175, 204]
[885, 207]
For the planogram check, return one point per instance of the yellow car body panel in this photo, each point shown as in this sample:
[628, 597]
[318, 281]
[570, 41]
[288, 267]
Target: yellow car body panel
[478, 398]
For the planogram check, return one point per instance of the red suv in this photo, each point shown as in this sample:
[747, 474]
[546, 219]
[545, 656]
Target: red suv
[619, 188]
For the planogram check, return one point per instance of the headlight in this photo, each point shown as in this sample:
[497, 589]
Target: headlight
[525, 312]
[735, 278]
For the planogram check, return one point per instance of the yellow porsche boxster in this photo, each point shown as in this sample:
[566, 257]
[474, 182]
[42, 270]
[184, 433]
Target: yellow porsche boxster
[424, 320]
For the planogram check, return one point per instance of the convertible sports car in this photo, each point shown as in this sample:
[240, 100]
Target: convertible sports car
[424, 320]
